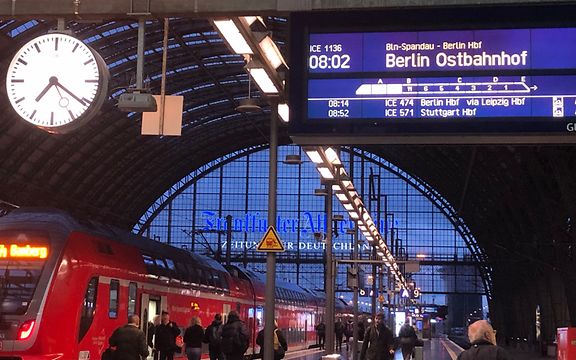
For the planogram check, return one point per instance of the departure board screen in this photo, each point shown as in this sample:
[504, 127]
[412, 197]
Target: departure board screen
[492, 72]
[448, 52]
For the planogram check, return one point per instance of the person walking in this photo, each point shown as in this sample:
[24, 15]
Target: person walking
[213, 337]
[339, 332]
[193, 336]
[378, 341]
[130, 341]
[280, 344]
[321, 334]
[407, 338]
[165, 337]
[483, 343]
[234, 337]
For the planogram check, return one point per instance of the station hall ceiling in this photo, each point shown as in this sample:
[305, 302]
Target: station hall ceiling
[519, 201]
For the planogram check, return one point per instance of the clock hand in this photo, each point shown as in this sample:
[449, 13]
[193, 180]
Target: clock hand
[43, 92]
[70, 93]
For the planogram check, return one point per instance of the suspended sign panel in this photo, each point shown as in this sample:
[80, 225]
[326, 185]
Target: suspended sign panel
[434, 76]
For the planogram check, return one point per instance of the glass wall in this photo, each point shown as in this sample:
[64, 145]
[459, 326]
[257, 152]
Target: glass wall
[417, 222]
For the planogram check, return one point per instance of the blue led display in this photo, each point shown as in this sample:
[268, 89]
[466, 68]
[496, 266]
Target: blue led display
[394, 75]
[510, 49]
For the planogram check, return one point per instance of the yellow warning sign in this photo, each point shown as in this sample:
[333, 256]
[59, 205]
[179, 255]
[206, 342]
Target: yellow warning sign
[271, 242]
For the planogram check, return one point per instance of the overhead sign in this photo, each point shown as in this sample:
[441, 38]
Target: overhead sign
[405, 294]
[23, 251]
[359, 80]
[270, 242]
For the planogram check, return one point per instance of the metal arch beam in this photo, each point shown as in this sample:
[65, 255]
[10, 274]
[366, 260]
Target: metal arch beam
[85, 9]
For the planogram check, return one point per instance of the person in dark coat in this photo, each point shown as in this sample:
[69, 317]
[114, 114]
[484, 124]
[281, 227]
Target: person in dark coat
[361, 329]
[280, 344]
[407, 337]
[165, 337]
[339, 332]
[129, 340]
[378, 341]
[193, 337]
[213, 337]
[234, 337]
[321, 334]
[483, 344]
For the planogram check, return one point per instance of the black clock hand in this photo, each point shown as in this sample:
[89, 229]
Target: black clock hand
[43, 92]
[70, 93]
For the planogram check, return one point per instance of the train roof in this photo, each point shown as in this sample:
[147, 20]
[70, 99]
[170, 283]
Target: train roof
[64, 221]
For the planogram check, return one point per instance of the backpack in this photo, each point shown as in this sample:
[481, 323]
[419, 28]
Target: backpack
[215, 335]
[279, 351]
[234, 342]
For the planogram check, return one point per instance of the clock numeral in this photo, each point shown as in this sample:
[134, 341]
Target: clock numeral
[52, 118]
[87, 101]
[71, 114]
[17, 80]
[37, 47]
[91, 81]
[88, 62]
[22, 62]
[75, 47]
[56, 44]
[32, 115]
[19, 100]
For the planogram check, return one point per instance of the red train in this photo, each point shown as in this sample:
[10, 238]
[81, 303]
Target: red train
[65, 285]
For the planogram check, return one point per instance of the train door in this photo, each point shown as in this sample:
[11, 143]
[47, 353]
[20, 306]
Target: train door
[150, 306]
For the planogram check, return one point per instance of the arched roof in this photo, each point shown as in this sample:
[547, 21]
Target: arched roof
[518, 200]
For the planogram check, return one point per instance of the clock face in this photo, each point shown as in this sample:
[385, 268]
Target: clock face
[54, 80]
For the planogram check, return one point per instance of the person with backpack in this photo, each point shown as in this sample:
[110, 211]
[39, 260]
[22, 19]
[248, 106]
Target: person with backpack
[407, 337]
[129, 341]
[234, 337]
[165, 337]
[321, 334]
[213, 337]
[339, 332]
[280, 344]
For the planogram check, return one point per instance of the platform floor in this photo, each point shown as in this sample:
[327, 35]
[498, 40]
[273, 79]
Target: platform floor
[435, 349]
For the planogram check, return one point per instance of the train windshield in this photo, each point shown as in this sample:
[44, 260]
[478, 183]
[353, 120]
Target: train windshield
[22, 258]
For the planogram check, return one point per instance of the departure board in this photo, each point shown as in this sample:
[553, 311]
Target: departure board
[503, 72]
[452, 53]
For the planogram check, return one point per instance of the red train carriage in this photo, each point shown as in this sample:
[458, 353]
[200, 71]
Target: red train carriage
[66, 285]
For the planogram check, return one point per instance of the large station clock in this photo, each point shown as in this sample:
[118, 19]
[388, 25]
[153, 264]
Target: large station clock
[57, 82]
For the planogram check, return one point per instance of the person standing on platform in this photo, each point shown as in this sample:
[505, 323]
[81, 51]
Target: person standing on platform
[165, 337]
[361, 329]
[339, 332]
[130, 341]
[213, 337]
[193, 337]
[235, 337]
[280, 344]
[349, 333]
[407, 340]
[321, 334]
[483, 343]
[378, 341]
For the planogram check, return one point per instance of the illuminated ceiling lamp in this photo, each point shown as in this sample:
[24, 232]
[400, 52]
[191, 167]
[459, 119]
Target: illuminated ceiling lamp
[263, 80]
[272, 53]
[232, 36]
[284, 112]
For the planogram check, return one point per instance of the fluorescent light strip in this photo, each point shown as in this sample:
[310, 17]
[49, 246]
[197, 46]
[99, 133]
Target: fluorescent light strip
[232, 35]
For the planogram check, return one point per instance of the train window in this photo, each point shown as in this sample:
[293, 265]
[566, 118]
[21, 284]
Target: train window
[88, 308]
[206, 278]
[113, 304]
[193, 274]
[170, 264]
[182, 272]
[132, 291]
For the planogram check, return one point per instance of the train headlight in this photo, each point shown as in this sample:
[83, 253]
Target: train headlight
[26, 329]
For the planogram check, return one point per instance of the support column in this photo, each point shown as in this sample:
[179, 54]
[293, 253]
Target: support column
[270, 292]
[330, 294]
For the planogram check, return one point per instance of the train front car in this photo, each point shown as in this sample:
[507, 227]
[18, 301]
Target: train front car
[30, 248]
